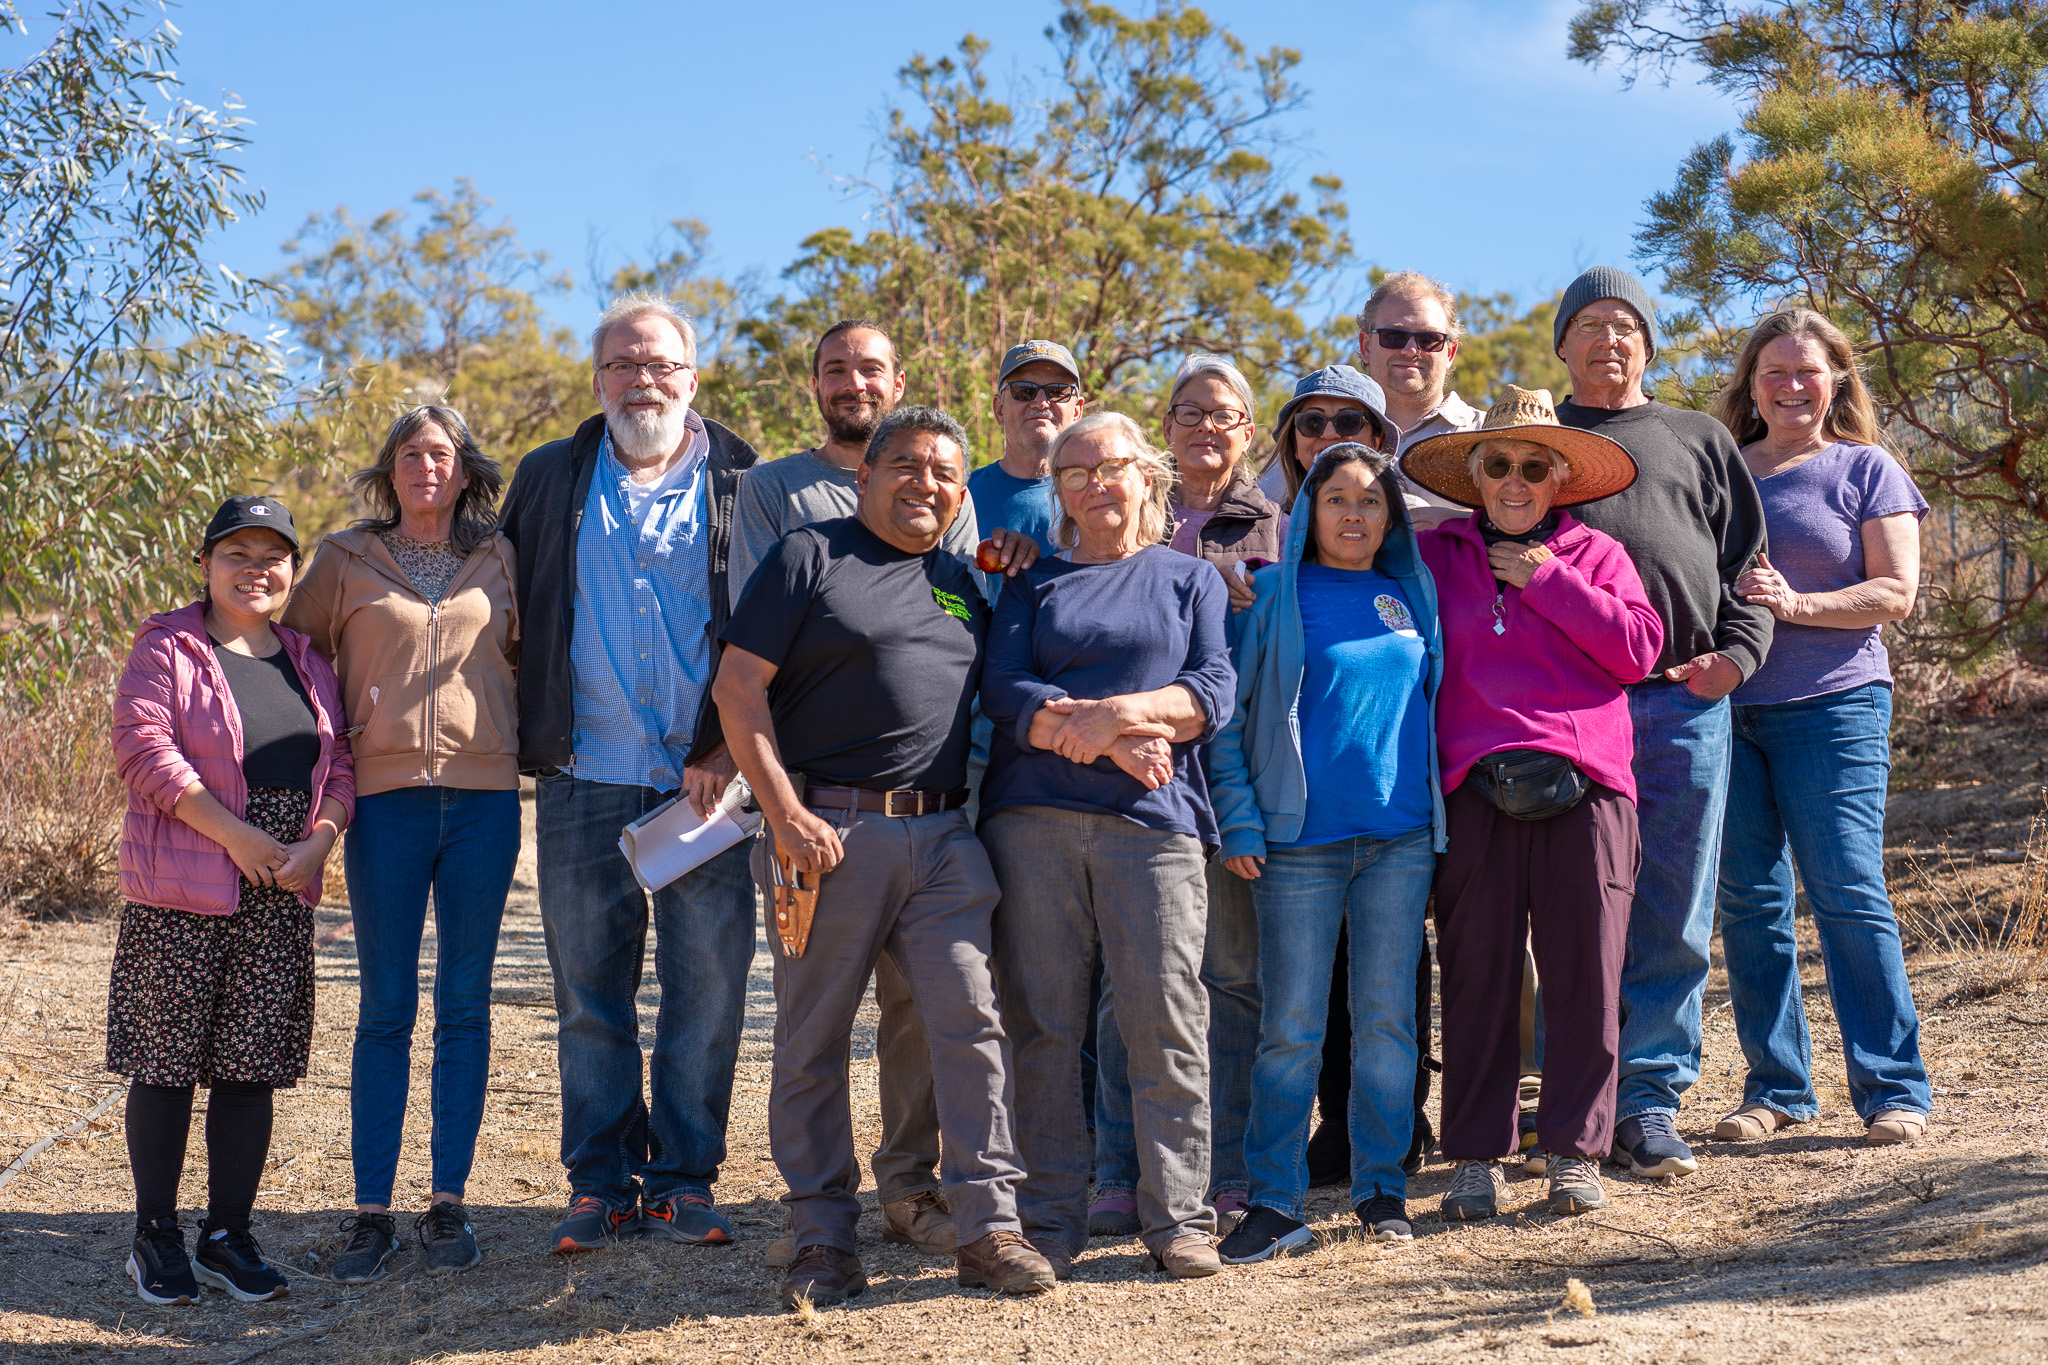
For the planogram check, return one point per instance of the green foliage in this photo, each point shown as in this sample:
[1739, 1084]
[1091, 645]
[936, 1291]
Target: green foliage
[1889, 172]
[441, 308]
[1505, 346]
[132, 402]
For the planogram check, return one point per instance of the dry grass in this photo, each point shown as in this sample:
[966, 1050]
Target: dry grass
[60, 806]
[1991, 940]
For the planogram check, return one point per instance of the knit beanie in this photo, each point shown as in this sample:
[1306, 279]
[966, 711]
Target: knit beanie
[1605, 282]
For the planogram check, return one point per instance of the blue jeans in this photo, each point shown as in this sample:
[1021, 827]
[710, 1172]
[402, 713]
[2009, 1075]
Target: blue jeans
[617, 1145]
[1808, 790]
[1378, 888]
[1230, 972]
[461, 845]
[1681, 770]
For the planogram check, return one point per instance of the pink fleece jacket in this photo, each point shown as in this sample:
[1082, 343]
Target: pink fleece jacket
[175, 722]
[1553, 680]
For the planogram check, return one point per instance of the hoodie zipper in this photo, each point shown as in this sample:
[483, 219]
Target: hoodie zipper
[433, 698]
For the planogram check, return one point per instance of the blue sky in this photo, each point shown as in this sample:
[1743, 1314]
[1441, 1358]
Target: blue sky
[1469, 146]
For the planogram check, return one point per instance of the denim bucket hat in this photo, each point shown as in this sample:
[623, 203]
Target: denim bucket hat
[1337, 381]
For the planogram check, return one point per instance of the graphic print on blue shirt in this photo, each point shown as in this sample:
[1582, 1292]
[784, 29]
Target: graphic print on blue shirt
[1364, 714]
[640, 653]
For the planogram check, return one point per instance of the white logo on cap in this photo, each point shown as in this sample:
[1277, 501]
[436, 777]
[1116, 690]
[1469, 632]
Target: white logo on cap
[258, 509]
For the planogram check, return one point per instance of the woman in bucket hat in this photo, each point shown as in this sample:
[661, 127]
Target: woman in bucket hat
[1544, 622]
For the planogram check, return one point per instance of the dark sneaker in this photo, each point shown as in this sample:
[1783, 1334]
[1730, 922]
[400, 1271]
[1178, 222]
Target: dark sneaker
[1264, 1234]
[1385, 1218]
[591, 1223]
[372, 1242]
[1114, 1213]
[1575, 1185]
[822, 1276]
[230, 1259]
[447, 1241]
[158, 1264]
[681, 1218]
[1475, 1191]
[1648, 1144]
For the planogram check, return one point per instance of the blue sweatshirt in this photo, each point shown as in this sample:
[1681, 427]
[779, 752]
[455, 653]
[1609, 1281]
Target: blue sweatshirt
[1103, 630]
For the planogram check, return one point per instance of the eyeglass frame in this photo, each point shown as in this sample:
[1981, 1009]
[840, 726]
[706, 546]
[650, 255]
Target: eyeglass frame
[1426, 341]
[1092, 473]
[640, 367]
[1333, 422]
[1545, 467]
[1208, 417]
[1624, 329]
[1012, 387]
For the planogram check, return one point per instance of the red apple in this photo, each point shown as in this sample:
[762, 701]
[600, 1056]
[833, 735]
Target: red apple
[988, 558]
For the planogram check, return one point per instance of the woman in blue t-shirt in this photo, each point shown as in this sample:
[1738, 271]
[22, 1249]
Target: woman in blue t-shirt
[1812, 754]
[1328, 802]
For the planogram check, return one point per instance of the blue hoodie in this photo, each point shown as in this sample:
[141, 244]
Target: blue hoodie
[1258, 784]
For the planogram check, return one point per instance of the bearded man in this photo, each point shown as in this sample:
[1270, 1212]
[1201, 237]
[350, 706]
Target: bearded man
[623, 534]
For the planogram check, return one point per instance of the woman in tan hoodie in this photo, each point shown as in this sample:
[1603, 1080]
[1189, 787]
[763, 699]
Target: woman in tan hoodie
[414, 605]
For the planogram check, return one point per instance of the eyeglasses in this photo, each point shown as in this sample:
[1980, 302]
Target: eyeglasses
[1498, 467]
[656, 370]
[1347, 424]
[1621, 328]
[1074, 477]
[1054, 393]
[1223, 419]
[1397, 339]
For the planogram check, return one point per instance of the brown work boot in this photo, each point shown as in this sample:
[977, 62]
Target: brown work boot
[823, 1276]
[1005, 1262]
[1189, 1256]
[781, 1252]
[1058, 1257]
[922, 1221]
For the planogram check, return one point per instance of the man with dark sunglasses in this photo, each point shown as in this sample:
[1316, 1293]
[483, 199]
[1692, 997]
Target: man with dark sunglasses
[1408, 334]
[1038, 395]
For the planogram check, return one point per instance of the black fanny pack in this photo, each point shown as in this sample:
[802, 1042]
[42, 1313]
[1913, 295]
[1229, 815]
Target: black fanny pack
[1529, 784]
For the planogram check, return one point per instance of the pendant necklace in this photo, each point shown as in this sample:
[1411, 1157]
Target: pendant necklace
[1500, 624]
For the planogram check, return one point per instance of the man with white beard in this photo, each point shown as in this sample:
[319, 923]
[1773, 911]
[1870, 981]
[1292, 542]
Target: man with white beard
[622, 533]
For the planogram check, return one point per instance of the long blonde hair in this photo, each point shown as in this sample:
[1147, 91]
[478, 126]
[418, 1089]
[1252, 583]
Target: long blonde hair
[1852, 415]
[1155, 518]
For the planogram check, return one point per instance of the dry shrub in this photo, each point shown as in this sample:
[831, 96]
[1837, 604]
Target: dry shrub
[1933, 690]
[1992, 947]
[60, 804]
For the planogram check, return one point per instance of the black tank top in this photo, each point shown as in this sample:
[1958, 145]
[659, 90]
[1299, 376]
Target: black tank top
[280, 741]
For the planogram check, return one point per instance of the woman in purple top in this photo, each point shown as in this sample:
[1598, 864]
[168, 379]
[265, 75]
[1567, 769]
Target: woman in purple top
[1813, 735]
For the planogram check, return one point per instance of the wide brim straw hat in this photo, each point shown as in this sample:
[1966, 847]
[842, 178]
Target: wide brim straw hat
[1600, 467]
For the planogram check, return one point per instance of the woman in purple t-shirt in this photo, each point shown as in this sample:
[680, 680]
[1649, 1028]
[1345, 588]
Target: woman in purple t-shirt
[1812, 753]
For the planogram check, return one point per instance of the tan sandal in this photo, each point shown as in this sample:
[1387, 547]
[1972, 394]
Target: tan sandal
[1890, 1127]
[1751, 1121]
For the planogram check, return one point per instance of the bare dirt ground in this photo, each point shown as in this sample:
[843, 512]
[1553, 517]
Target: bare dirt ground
[1809, 1246]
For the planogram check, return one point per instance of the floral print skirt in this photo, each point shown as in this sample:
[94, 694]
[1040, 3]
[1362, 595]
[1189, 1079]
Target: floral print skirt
[200, 998]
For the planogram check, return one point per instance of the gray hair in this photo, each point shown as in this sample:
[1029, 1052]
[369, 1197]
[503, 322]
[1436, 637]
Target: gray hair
[1155, 518]
[627, 307]
[1410, 284]
[1479, 448]
[475, 518]
[931, 421]
[1201, 363]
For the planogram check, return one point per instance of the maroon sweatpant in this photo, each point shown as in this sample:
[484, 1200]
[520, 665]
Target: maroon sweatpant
[1567, 883]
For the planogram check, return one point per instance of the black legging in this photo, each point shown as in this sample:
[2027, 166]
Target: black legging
[237, 1141]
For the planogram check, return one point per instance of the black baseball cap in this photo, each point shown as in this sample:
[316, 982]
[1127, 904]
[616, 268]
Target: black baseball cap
[251, 509]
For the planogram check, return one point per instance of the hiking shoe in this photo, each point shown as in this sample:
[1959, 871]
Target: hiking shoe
[924, 1221]
[1889, 1127]
[1189, 1256]
[681, 1218]
[590, 1224]
[1264, 1234]
[1385, 1218]
[1648, 1144]
[447, 1241]
[1575, 1184]
[822, 1276]
[781, 1254]
[1114, 1213]
[1005, 1262]
[230, 1259]
[373, 1241]
[1752, 1119]
[1475, 1191]
[158, 1264]
[1329, 1156]
[1058, 1257]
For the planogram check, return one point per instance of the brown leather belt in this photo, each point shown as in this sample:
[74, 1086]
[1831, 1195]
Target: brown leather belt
[896, 805]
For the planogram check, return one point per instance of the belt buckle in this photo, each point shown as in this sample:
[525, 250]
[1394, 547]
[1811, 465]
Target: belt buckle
[889, 810]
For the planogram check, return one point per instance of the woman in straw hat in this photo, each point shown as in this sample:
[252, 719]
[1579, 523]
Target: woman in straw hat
[1544, 623]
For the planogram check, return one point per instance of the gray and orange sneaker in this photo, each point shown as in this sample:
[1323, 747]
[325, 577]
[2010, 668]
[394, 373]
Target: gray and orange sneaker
[680, 1218]
[591, 1223]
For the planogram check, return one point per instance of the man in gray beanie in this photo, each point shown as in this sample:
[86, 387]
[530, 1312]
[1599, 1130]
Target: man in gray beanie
[1692, 522]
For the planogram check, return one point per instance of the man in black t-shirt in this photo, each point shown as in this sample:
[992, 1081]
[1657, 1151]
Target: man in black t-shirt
[850, 664]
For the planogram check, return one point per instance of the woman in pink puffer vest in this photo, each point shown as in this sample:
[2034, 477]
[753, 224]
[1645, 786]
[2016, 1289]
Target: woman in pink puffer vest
[229, 735]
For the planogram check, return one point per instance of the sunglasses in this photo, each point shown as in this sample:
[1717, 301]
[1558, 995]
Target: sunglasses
[1054, 393]
[1345, 424]
[1397, 339]
[1498, 467]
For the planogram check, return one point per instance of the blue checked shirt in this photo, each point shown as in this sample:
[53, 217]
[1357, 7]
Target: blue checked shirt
[641, 651]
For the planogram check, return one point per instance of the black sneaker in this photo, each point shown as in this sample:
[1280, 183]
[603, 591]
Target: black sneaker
[230, 1259]
[1649, 1145]
[1385, 1218]
[159, 1266]
[447, 1241]
[373, 1241]
[590, 1223]
[1264, 1233]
